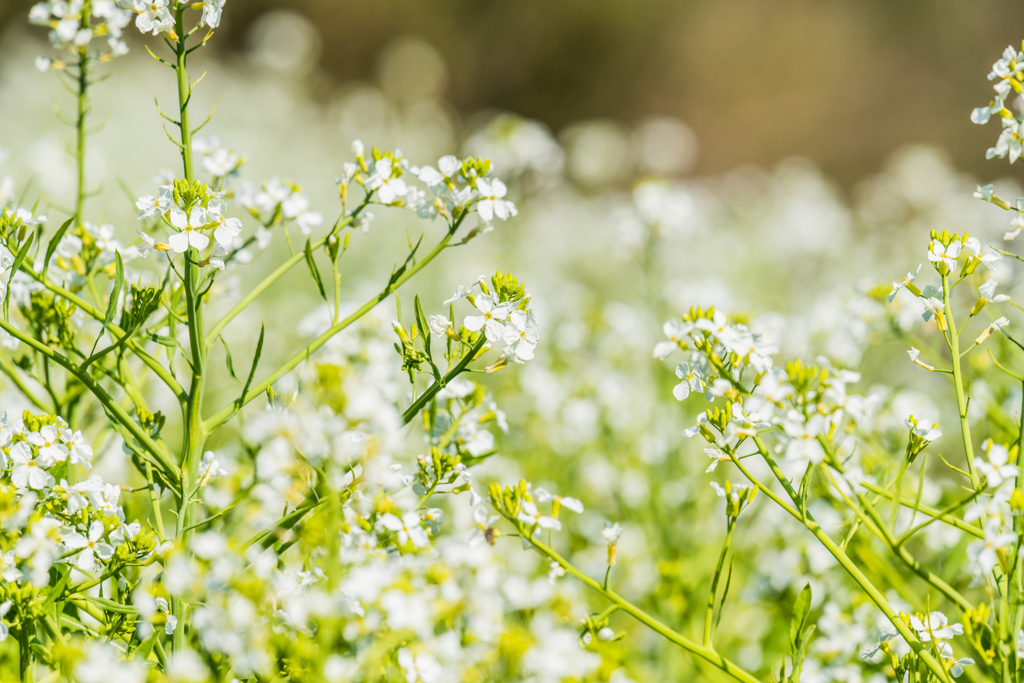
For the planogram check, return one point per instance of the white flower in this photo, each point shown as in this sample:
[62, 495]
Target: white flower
[28, 470]
[803, 438]
[936, 625]
[897, 286]
[492, 202]
[447, 168]
[148, 241]
[92, 546]
[717, 455]
[692, 380]
[461, 293]
[995, 326]
[676, 332]
[479, 533]
[212, 10]
[520, 335]
[937, 253]
[984, 553]
[932, 307]
[611, 532]
[529, 514]
[544, 496]
[47, 440]
[988, 291]
[438, 325]
[1009, 142]
[4, 629]
[924, 428]
[408, 528]
[150, 206]
[973, 245]
[209, 468]
[957, 667]
[296, 208]
[388, 189]
[997, 468]
[227, 231]
[421, 667]
[189, 235]
[154, 17]
[491, 320]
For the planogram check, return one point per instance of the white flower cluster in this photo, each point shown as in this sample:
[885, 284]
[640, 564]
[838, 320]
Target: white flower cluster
[279, 199]
[1008, 72]
[455, 186]
[511, 322]
[189, 216]
[54, 521]
[72, 31]
[713, 337]
[157, 16]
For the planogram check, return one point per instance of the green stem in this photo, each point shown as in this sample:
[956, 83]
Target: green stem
[961, 403]
[940, 515]
[434, 388]
[218, 419]
[83, 110]
[112, 406]
[1016, 590]
[194, 437]
[713, 594]
[706, 653]
[852, 569]
[276, 275]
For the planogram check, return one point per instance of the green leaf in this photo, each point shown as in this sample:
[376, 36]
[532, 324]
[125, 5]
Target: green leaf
[18, 260]
[314, 271]
[421, 321]
[227, 353]
[255, 362]
[801, 608]
[51, 248]
[146, 647]
[64, 572]
[115, 293]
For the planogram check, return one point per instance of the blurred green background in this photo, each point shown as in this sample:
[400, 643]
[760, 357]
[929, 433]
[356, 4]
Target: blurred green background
[842, 83]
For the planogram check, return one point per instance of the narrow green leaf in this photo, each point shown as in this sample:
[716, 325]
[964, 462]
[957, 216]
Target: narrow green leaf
[231, 364]
[421, 321]
[18, 260]
[314, 271]
[51, 248]
[115, 293]
[801, 608]
[255, 362]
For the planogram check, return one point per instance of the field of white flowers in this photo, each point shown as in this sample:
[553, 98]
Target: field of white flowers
[315, 384]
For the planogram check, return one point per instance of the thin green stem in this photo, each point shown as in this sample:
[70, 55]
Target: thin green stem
[83, 110]
[953, 340]
[432, 391]
[194, 436]
[113, 407]
[218, 419]
[706, 653]
[713, 593]
[847, 564]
